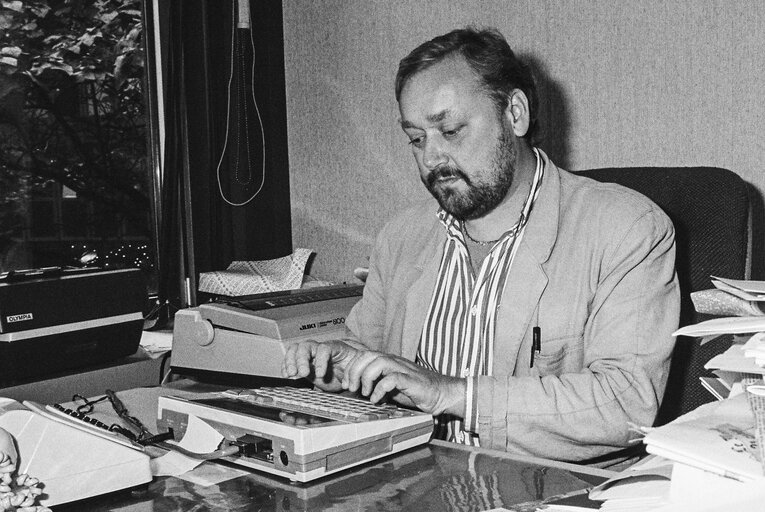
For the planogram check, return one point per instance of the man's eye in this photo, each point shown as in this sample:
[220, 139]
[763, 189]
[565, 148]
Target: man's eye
[417, 142]
[450, 133]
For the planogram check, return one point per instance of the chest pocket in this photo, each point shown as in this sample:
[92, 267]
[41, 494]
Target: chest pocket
[559, 356]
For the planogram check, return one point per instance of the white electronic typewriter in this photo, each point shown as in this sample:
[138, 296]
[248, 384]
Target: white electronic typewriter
[299, 433]
[248, 335]
[73, 458]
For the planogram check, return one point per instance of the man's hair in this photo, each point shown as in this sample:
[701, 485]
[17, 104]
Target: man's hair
[487, 53]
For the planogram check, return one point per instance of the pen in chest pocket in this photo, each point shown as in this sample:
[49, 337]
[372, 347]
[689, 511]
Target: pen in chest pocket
[536, 338]
[536, 343]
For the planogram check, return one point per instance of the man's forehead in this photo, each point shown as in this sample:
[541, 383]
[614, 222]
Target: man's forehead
[441, 91]
[433, 118]
[452, 71]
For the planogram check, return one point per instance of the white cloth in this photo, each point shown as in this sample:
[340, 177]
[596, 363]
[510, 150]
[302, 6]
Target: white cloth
[251, 277]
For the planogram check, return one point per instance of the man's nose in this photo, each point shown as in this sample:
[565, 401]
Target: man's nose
[433, 154]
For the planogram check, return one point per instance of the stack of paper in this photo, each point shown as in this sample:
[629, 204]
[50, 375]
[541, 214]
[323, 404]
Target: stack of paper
[746, 357]
[718, 438]
[741, 360]
[714, 451]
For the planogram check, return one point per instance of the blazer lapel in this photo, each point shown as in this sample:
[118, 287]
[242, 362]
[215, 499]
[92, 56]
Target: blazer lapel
[520, 298]
[418, 296]
[527, 279]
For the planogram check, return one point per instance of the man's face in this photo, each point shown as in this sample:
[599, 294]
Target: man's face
[463, 147]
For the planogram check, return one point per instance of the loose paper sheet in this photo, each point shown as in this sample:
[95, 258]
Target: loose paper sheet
[746, 289]
[156, 342]
[734, 360]
[200, 437]
[728, 325]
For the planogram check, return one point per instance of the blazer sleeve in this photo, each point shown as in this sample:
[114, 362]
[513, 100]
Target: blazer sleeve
[366, 321]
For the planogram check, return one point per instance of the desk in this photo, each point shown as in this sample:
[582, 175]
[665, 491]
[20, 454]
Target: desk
[128, 372]
[435, 477]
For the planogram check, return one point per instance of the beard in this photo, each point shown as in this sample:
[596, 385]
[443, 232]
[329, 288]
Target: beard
[482, 195]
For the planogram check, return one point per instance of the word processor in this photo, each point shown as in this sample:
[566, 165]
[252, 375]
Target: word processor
[72, 458]
[248, 335]
[54, 319]
[297, 433]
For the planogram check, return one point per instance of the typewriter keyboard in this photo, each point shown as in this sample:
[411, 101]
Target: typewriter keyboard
[319, 403]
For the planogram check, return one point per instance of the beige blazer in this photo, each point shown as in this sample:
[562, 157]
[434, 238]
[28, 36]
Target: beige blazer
[595, 271]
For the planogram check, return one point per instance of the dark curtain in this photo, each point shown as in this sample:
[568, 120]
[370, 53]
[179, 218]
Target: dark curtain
[200, 230]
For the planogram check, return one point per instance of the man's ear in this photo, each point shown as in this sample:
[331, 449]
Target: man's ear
[517, 112]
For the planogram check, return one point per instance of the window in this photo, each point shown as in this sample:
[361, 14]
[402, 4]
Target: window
[75, 166]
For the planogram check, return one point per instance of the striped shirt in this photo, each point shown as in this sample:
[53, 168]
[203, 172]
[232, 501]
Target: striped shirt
[457, 338]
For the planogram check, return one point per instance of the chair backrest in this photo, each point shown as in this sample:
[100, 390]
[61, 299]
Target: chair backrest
[718, 225]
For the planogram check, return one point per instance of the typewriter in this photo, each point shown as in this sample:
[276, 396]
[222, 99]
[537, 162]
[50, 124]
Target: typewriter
[248, 335]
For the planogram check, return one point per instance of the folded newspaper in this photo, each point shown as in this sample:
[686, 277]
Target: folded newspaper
[731, 297]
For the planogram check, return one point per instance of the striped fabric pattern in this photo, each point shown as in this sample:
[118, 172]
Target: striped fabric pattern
[457, 338]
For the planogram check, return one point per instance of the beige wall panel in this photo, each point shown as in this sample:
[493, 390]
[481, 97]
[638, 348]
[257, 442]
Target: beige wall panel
[650, 82]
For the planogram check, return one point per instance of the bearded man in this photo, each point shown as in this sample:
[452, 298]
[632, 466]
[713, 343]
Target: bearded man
[530, 310]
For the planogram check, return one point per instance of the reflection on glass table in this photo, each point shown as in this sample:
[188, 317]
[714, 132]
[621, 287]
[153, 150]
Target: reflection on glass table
[439, 476]
[435, 477]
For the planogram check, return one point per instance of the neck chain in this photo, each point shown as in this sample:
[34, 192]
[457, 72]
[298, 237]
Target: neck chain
[479, 242]
[527, 205]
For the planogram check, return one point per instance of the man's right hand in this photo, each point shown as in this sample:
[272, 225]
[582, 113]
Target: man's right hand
[323, 363]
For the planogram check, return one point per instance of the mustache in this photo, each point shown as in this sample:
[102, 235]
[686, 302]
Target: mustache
[447, 171]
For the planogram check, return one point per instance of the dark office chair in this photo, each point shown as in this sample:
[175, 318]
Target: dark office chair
[718, 222]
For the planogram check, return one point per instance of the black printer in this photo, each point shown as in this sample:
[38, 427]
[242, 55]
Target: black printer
[56, 319]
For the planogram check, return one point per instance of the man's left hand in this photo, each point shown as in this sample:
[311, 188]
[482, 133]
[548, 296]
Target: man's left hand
[376, 375]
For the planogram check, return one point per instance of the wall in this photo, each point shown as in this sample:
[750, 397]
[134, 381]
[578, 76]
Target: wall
[623, 83]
